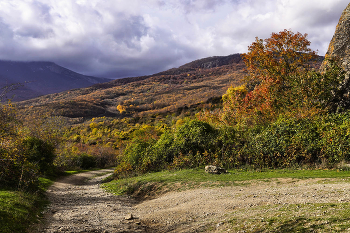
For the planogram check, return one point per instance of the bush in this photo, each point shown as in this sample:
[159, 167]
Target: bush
[85, 161]
[137, 155]
[39, 152]
[195, 136]
[318, 140]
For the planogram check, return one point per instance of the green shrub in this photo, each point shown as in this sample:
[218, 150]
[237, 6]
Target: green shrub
[195, 136]
[39, 152]
[85, 161]
[318, 140]
[187, 142]
[164, 149]
[137, 156]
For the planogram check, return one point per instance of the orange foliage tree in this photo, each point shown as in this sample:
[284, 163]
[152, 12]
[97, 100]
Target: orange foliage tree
[272, 65]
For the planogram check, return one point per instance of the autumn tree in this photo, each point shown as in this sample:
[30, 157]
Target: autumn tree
[271, 65]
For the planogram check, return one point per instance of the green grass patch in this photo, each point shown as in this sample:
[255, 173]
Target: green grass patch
[67, 173]
[192, 178]
[19, 209]
[44, 183]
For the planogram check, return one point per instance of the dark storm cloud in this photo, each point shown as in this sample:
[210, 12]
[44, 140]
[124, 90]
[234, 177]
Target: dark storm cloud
[136, 37]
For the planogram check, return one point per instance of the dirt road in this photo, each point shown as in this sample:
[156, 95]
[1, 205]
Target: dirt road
[78, 204]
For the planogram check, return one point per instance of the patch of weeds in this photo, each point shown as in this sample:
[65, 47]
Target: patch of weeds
[137, 189]
[108, 179]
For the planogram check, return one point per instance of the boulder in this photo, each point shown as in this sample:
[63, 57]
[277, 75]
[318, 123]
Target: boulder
[214, 169]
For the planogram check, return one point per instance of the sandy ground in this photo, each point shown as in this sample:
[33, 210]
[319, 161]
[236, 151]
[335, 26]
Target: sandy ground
[78, 204]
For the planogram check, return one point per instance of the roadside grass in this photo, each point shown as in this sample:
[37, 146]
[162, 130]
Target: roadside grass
[45, 183]
[156, 183]
[19, 209]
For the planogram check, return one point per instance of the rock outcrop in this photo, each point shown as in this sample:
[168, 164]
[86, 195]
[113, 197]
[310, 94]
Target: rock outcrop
[340, 44]
[339, 51]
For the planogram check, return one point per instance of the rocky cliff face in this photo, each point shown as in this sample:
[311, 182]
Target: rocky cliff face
[339, 50]
[340, 43]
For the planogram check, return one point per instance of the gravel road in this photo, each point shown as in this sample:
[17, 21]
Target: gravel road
[78, 204]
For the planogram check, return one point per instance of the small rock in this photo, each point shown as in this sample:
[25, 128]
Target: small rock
[214, 169]
[219, 224]
[129, 217]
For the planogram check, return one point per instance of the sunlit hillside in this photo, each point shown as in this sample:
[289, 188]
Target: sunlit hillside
[195, 83]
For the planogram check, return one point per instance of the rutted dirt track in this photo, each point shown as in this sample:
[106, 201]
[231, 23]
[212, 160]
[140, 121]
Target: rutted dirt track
[79, 205]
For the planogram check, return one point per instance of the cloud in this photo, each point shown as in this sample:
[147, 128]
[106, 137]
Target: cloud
[137, 37]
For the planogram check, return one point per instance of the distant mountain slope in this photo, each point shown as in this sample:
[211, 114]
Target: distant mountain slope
[194, 85]
[41, 78]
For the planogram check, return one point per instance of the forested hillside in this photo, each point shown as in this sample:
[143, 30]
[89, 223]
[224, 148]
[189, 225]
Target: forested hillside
[195, 83]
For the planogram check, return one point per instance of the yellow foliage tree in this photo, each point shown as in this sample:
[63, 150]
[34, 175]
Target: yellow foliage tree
[121, 108]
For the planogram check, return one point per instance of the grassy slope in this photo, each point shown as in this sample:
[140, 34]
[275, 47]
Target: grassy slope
[19, 209]
[190, 178]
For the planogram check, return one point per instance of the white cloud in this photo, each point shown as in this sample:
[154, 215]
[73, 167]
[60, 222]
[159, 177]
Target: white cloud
[119, 38]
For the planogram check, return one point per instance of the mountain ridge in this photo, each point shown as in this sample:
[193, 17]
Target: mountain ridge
[36, 78]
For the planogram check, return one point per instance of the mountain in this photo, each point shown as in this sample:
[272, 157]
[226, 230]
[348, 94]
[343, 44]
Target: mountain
[41, 78]
[195, 85]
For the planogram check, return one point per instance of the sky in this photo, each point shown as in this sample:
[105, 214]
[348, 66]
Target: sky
[127, 38]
